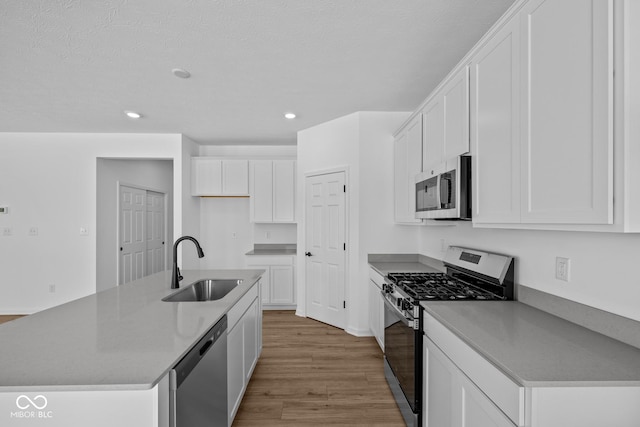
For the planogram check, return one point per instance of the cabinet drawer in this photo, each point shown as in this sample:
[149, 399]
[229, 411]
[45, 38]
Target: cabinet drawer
[503, 391]
[376, 277]
[241, 306]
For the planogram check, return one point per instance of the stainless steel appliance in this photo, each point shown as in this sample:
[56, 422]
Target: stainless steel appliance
[470, 275]
[198, 382]
[444, 192]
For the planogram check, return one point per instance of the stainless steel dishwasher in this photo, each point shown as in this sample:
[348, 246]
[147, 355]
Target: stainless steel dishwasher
[199, 382]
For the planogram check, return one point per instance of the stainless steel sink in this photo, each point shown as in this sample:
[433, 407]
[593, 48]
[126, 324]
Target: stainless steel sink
[204, 290]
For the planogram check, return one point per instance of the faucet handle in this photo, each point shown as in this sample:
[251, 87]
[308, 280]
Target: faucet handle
[179, 275]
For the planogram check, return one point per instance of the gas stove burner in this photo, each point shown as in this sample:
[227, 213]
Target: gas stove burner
[437, 287]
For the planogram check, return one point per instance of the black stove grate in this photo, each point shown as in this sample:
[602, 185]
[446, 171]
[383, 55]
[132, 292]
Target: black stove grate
[438, 287]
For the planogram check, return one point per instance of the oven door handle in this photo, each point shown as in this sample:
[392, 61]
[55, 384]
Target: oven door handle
[409, 322]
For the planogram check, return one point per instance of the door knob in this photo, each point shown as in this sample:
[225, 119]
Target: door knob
[307, 253]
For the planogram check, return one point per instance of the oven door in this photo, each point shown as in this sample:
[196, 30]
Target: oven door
[403, 354]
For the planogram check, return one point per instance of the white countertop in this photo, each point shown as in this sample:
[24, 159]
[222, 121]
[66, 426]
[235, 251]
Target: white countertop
[124, 338]
[537, 349]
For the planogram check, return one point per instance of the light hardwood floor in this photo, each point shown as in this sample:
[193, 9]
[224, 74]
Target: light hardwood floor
[6, 318]
[312, 374]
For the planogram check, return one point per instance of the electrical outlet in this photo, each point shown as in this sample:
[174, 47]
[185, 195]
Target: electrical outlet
[84, 231]
[52, 288]
[233, 235]
[562, 268]
[33, 231]
[7, 231]
[267, 234]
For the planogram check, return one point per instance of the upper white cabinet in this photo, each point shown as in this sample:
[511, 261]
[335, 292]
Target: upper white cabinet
[446, 121]
[567, 111]
[272, 189]
[219, 177]
[495, 131]
[407, 163]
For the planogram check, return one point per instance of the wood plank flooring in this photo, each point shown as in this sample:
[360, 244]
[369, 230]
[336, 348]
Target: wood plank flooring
[6, 318]
[312, 374]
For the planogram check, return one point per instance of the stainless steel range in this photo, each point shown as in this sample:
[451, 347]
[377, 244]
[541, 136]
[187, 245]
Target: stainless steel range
[470, 275]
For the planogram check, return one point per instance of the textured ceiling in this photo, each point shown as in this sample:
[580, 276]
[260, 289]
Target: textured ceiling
[75, 65]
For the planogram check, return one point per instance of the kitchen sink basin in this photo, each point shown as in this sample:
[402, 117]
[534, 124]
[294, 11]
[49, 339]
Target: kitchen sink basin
[204, 290]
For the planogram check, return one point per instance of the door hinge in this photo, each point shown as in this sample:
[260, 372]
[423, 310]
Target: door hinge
[344, 188]
[344, 304]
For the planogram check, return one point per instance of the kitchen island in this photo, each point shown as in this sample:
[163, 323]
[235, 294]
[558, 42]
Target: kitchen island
[104, 359]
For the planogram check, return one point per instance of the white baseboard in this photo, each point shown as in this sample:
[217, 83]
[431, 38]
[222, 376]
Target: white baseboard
[359, 332]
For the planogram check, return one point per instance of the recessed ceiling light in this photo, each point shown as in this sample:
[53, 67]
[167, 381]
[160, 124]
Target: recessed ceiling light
[133, 114]
[179, 72]
[289, 116]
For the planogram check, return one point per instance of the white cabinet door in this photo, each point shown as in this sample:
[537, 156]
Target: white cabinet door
[250, 323]
[407, 164]
[206, 176]
[439, 376]
[261, 191]
[284, 190]
[235, 177]
[433, 133]
[477, 409]
[235, 368]
[495, 79]
[567, 111]
[376, 313]
[456, 115]
[273, 188]
[278, 281]
[282, 291]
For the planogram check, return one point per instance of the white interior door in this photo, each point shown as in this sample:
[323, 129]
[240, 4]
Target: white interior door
[326, 255]
[132, 232]
[141, 235]
[155, 232]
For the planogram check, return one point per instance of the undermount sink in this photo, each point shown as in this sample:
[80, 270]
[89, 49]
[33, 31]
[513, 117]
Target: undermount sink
[204, 290]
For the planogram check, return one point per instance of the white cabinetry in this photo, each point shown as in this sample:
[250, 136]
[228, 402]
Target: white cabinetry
[278, 284]
[451, 399]
[376, 307]
[272, 189]
[567, 111]
[462, 388]
[446, 121]
[219, 177]
[407, 158]
[244, 343]
[495, 94]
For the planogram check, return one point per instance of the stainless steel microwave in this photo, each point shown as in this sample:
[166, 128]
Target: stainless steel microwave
[444, 192]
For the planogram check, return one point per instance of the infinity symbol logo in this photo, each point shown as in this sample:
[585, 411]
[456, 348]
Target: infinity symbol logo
[40, 398]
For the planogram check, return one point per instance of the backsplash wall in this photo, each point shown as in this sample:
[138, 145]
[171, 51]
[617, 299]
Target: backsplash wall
[603, 270]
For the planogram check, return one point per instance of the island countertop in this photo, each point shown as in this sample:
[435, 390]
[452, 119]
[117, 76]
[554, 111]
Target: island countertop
[124, 338]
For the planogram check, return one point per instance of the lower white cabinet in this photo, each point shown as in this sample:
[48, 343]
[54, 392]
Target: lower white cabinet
[376, 307]
[463, 389]
[244, 344]
[278, 281]
[451, 399]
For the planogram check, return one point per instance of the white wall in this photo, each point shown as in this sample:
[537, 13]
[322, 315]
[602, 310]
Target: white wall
[603, 265]
[189, 208]
[154, 175]
[363, 144]
[49, 181]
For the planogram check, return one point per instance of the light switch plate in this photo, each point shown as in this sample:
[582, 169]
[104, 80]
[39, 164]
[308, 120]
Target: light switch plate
[33, 231]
